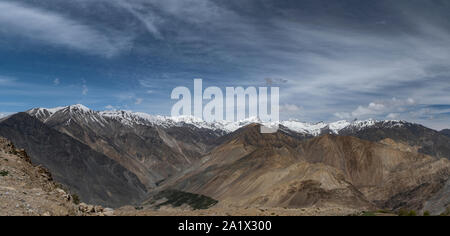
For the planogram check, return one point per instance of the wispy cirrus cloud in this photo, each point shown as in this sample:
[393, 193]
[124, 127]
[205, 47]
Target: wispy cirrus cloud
[52, 28]
[5, 80]
[157, 16]
[149, 19]
[84, 88]
[344, 61]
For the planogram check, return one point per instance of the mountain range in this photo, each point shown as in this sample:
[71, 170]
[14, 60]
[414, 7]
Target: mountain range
[446, 132]
[116, 158]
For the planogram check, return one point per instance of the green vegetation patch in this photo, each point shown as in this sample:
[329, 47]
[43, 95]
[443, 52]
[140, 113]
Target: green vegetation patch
[446, 212]
[368, 213]
[76, 199]
[178, 198]
[405, 212]
[4, 173]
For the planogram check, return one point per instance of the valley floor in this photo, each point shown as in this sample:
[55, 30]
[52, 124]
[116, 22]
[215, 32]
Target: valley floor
[221, 211]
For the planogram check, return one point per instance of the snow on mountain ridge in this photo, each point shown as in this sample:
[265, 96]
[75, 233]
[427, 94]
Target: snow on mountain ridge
[78, 107]
[45, 113]
[303, 127]
[130, 118]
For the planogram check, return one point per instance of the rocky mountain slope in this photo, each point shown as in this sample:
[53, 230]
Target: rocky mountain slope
[276, 170]
[389, 176]
[149, 148]
[445, 132]
[96, 178]
[117, 158]
[205, 133]
[429, 141]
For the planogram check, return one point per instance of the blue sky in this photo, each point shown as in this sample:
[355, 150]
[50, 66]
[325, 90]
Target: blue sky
[333, 60]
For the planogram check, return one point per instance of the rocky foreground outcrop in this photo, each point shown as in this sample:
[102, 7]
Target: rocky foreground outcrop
[28, 190]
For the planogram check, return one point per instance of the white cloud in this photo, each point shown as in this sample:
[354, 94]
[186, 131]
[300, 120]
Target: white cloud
[343, 115]
[110, 107]
[56, 82]
[392, 116]
[138, 101]
[55, 29]
[390, 109]
[4, 114]
[372, 109]
[290, 108]
[84, 90]
[4, 80]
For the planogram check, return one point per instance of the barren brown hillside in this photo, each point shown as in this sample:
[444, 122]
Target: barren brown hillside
[276, 170]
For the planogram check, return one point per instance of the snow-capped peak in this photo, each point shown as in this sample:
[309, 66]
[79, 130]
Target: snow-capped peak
[46, 113]
[79, 107]
[51, 111]
[130, 118]
[304, 127]
[45, 110]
